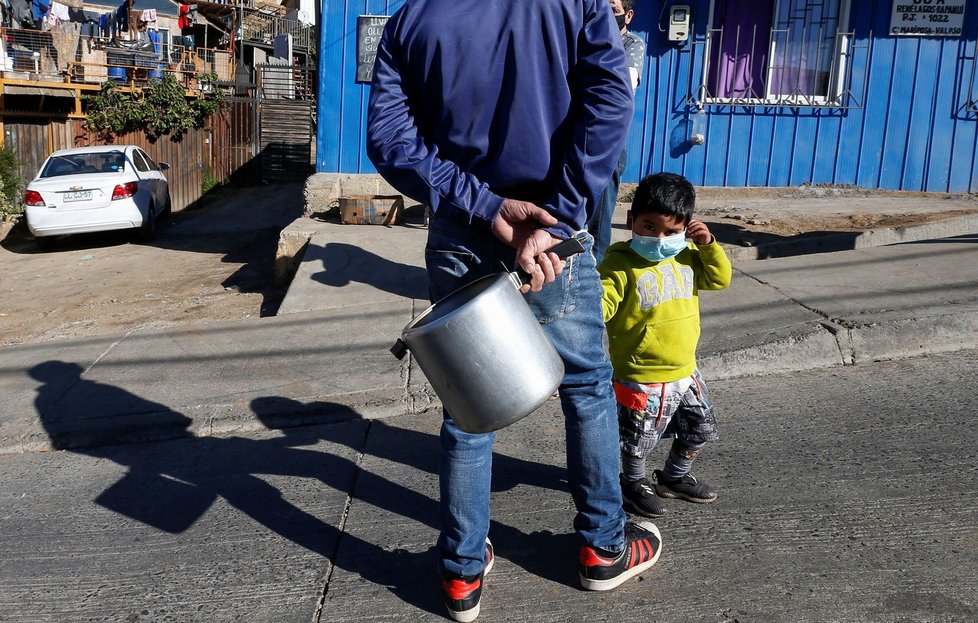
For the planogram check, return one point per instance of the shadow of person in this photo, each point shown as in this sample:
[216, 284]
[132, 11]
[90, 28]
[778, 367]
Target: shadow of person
[411, 448]
[171, 486]
[346, 263]
[95, 414]
[419, 451]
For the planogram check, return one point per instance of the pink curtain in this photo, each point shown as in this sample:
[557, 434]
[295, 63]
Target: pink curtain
[739, 45]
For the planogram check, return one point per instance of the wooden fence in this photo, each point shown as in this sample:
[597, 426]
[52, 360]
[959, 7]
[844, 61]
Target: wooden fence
[224, 149]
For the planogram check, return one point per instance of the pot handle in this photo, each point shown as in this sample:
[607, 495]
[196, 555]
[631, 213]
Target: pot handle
[564, 249]
[399, 349]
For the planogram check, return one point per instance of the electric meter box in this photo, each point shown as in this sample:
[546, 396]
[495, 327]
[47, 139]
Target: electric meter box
[679, 21]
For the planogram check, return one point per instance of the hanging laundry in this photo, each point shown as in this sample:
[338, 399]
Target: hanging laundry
[184, 21]
[89, 21]
[21, 13]
[40, 9]
[122, 17]
[58, 13]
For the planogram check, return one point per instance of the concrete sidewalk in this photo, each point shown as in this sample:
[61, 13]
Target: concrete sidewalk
[325, 356]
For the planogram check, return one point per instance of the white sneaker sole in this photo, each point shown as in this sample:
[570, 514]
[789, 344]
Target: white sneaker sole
[467, 616]
[610, 583]
[662, 492]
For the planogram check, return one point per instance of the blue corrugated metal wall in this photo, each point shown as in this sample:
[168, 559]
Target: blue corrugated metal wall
[911, 132]
[342, 111]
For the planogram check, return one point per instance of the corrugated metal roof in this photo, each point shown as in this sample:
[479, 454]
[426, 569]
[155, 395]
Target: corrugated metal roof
[14, 89]
[162, 6]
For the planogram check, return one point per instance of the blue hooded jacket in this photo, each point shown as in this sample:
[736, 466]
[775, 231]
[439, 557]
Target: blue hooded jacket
[474, 101]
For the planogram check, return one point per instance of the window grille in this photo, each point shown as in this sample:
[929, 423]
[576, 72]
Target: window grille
[783, 53]
[971, 79]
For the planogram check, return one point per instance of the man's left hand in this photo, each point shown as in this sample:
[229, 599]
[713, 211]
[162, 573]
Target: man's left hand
[520, 225]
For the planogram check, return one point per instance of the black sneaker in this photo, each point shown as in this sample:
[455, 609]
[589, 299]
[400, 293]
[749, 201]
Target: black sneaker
[602, 571]
[463, 593]
[685, 488]
[639, 498]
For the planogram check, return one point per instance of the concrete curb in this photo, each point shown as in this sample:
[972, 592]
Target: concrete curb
[825, 344]
[913, 337]
[846, 241]
[230, 378]
[215, 420]
[795, 349]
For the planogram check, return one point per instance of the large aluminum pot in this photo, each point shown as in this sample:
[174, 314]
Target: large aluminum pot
[484, 352]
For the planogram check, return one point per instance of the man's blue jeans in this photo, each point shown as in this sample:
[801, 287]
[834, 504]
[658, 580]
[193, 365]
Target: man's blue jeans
[599, 224]
[570, 312]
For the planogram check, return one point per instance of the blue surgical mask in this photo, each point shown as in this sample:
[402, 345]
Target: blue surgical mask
[657, 249]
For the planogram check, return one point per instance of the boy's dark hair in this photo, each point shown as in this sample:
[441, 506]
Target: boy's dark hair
[628, 5]
[665, 193]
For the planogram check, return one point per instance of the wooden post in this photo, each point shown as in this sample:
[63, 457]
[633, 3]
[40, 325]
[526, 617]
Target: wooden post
[3, 135]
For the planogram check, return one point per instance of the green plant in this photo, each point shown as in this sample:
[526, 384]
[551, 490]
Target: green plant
[8, 209]
[10, 183]
[209, 183]
[112, 112]
[162, 108]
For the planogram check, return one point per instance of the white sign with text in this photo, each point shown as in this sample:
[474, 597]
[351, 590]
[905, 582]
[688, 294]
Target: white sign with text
[928, 18]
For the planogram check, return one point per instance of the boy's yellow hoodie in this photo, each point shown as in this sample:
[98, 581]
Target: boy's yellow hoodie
[651, 309]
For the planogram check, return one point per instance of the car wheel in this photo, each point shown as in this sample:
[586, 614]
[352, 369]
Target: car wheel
[148, 229]
[167, 208]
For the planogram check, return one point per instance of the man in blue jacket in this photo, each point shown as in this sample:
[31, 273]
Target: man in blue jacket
[507, 119]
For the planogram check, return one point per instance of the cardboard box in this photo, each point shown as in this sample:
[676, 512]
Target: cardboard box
[371, 209]
[94, 66]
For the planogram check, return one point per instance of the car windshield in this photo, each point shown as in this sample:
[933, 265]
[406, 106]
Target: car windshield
[90, 162]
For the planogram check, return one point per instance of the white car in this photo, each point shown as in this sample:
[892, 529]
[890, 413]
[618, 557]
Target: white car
[90, 189]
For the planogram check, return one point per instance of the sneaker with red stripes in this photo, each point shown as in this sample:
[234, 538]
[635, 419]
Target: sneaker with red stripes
[602, 571]
[464, 593]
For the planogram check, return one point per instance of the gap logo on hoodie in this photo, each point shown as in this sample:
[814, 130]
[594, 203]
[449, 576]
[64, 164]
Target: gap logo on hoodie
[676, 283]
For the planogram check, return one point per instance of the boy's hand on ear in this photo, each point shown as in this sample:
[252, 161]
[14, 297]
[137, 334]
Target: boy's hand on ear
[698, 232]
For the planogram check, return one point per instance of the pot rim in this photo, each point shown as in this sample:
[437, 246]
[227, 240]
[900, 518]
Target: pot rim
[422, 320]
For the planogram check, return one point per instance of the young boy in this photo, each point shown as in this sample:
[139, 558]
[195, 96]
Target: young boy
[651, 309]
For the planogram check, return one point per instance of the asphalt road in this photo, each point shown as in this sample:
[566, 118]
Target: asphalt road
[846, 494]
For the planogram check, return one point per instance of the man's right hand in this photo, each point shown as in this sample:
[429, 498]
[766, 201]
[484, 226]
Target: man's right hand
[520, 225]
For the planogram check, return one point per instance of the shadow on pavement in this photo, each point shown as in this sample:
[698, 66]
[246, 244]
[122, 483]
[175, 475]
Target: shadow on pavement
[172, 490]
[346, 263]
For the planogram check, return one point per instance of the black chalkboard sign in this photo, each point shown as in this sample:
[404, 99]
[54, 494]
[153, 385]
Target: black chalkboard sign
[369, 30]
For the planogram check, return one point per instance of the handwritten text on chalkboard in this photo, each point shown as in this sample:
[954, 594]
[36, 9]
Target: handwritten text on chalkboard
[369, 30]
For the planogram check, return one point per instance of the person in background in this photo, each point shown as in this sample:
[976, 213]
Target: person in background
[600, 223]
[651, 308]
[508, 132]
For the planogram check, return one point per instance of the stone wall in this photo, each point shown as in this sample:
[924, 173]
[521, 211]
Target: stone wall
[323, 190]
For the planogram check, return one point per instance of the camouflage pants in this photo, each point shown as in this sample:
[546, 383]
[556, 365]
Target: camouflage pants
[669, 410]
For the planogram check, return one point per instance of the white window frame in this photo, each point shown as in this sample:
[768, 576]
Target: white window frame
[165, 44]
[837, 76]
